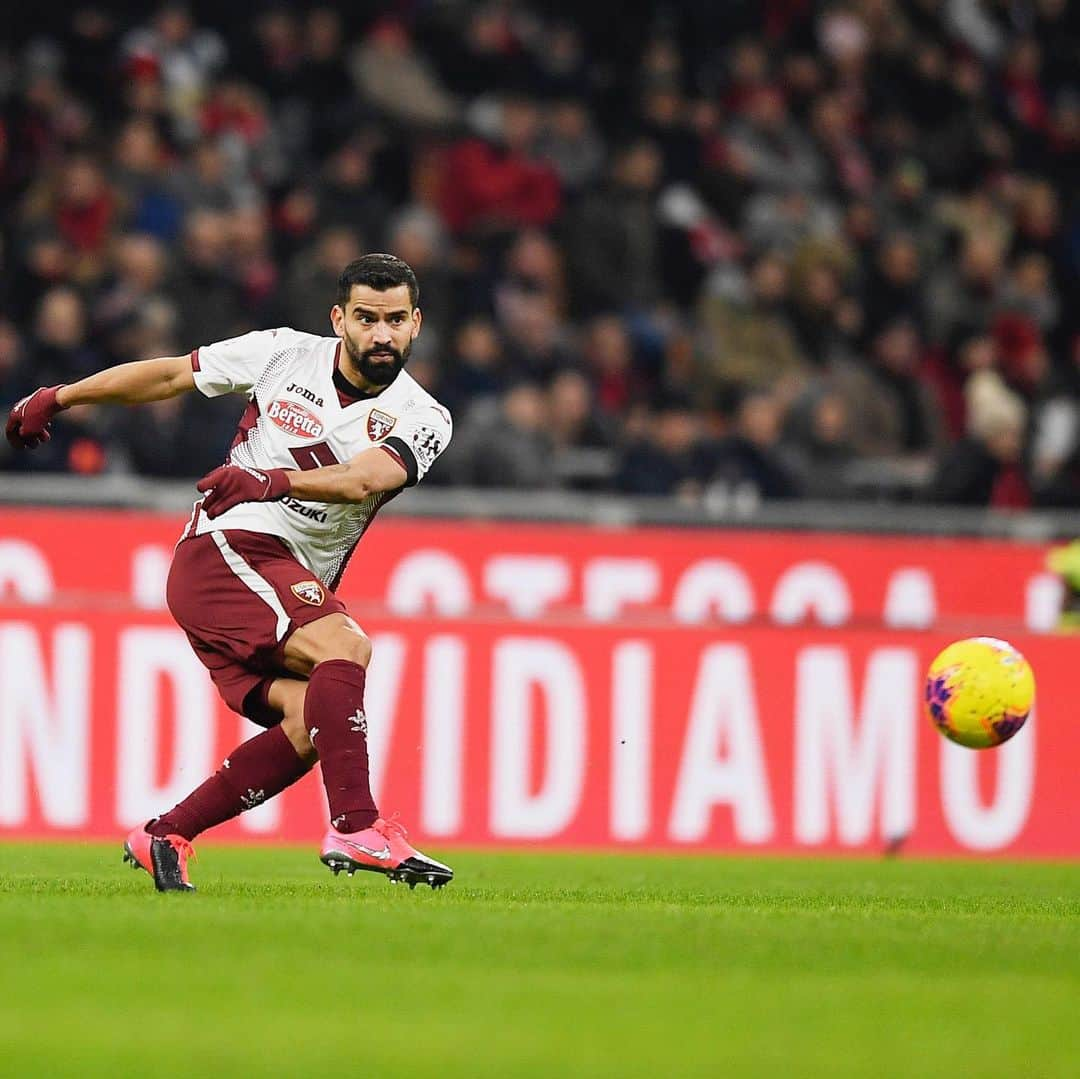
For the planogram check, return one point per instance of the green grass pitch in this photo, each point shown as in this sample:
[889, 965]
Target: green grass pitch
[543, 965]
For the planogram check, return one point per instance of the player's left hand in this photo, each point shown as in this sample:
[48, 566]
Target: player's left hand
[230, 485]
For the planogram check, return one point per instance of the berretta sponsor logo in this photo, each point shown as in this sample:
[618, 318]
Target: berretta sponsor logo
[295, 419]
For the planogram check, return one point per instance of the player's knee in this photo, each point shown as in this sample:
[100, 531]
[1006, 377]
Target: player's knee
[350, 644]
[356, 647]
[336, 637]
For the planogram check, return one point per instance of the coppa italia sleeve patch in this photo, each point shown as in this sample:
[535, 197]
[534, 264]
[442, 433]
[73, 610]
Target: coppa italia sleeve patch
[427, 444]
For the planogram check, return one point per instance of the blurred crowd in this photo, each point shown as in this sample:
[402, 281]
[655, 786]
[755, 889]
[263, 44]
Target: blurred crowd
[716, 251]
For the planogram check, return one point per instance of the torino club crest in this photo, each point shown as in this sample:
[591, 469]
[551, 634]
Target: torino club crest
[379, 424]
[310, 592]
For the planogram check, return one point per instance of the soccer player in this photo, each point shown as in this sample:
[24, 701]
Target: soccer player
[334, 428]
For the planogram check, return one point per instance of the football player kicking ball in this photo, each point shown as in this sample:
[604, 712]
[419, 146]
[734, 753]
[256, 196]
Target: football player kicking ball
[334, 428]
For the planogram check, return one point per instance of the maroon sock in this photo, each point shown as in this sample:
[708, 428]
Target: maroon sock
[256, 770]
[334, 717]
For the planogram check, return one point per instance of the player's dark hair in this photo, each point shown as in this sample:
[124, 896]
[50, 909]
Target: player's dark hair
[380, 272]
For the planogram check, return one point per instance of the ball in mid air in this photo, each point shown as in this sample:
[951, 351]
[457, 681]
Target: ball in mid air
[979, 692]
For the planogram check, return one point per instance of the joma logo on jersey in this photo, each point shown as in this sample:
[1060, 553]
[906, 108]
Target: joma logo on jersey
[303, 391]
[379, 424]
[295, 419]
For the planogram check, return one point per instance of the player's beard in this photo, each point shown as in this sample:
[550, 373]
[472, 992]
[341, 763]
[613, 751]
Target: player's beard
[379, 365]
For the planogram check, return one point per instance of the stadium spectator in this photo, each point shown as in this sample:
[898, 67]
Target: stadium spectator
[139, 266]
[208, 181]
[16, 376]
[749, 338]
[894, 286]
[560, 61]
[984, 468]
[394, 78]
[313, 278]
[817, 447]
[167, 438]
[968, 293]
[495, 184]
[573, 421]
[534, 263]
[748, 463]
[475, 369]
[612, 237]
[535, 336]
[904, 204]
[58, 347]
[570, 144]
[275, 57]
[1029, 291]
[251, 263]
[1055, 439]
[480, 50]
[204, 289]
[326, 110]
[894, 411]
[78, 205]
[148, 198]
[665, 120]
[780, 156]
[609, 358]
[663, 459]
[347, 195]
[504, 442]
[417, 235]
[824, 320]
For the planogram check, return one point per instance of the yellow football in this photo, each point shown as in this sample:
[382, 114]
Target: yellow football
[979, 692]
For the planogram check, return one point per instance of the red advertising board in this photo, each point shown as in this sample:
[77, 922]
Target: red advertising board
[581, 721]
[692, 576]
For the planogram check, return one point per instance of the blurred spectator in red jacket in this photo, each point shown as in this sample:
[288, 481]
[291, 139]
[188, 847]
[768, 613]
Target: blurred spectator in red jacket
[78, 203]
[495, 184]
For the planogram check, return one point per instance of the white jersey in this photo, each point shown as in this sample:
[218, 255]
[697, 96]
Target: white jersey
[303, 414]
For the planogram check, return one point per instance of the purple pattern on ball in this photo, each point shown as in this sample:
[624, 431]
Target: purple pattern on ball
[1008, 725]
[937, 697]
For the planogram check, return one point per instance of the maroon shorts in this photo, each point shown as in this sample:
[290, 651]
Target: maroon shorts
[238, 596]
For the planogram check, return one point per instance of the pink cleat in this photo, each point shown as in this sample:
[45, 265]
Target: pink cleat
[165, 858]
[383, 848]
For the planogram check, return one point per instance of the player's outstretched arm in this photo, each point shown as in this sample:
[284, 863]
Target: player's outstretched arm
[126, 384]
[132, 383]
[368, 473]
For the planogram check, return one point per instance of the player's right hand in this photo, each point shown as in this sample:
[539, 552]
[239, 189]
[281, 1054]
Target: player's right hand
[28, 423]
[230, 485]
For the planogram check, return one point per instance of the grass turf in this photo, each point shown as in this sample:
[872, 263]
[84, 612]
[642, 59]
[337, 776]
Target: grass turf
[538, 965]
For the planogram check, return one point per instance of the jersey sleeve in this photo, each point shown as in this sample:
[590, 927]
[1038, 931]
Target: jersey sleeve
[234, 365]
[418, 438]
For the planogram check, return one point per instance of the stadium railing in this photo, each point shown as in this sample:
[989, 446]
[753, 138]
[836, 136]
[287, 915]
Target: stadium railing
[719, 510]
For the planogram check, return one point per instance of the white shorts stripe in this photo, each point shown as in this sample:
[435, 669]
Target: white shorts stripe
[259, 585]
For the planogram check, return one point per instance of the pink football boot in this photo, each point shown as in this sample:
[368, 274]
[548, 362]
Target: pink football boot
[382, 848]
[165, 858]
